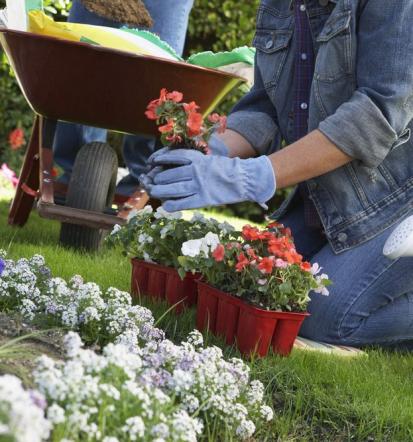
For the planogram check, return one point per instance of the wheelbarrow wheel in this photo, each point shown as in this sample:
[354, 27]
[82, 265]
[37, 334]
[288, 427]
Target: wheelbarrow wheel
[92, 187]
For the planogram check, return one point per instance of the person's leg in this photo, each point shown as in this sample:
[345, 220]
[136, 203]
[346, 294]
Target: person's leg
[370, 301]
[308, 240]
[170, 23]
[69, 138]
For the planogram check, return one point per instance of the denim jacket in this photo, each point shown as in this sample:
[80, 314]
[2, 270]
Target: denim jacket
[361, 99]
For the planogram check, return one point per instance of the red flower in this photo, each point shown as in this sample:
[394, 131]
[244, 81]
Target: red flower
[174, 139]
[219, 253]
[194, 124]
[218, 119]
[266, 265]
[16, 138]
[163, 95]
[191, 107]
[151, 110]
[251, 253]
[242, 262]
[250, 233]
[169, 127]
[292, 257]
[175, 96]
[306, 266]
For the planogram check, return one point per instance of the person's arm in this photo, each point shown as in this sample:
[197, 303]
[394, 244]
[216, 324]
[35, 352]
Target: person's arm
[311, 156]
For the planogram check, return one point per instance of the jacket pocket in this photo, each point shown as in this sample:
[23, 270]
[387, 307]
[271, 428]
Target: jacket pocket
[335, 55]
[272, 49]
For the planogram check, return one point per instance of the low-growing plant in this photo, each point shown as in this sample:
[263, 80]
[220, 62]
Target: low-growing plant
[157, 236]
[261, 266]
[27, 287]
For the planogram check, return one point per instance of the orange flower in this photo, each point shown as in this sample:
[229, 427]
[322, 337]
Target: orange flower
[266, 265]
[242, 262]
[16, 138]
[169, 127]
[151, 110]
[191, 107]
[163, 95]
[175, 96]
[306, 266]
[194, 124]
[250, 233]
[219, 253]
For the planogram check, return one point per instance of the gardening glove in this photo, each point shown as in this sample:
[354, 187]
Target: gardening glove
[208, 180]
[215, 144]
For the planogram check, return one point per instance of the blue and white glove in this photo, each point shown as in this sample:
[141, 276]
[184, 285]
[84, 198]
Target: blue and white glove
[199, 180]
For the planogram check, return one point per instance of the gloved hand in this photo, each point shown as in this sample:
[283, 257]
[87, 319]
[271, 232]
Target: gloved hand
[215, 144]
[208, 180]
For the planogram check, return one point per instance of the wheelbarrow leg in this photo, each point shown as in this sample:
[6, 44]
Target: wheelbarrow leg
[28, 185]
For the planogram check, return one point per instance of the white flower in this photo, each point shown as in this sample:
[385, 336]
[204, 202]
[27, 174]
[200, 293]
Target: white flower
[56, 414]
[192, 248]
[73, 344]
[134, 428]
[162, 213]
[198, 217]
[315, 269]
[115, 229]
[245, 429]
[267, 413]
[24, 421]
[212, 240]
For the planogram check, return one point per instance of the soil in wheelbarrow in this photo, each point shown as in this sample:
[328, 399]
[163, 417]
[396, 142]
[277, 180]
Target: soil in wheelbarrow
[130, 12]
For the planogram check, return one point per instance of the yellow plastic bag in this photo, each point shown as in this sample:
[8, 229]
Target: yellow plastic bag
[120, 39]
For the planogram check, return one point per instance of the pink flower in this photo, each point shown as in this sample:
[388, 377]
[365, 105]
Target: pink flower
[9, 174]
[175, 96]
[280, 263]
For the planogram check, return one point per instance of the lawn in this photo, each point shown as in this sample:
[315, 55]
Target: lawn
[316, 397]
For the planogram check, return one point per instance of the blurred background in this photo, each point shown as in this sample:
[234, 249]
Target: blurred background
[214, 25]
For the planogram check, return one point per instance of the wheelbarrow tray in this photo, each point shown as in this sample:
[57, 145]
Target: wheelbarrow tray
[81, 83]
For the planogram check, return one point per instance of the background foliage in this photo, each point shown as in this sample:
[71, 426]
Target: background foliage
[214, 25]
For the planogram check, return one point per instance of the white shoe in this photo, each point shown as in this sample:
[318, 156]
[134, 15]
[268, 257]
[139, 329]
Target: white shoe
[400, 242]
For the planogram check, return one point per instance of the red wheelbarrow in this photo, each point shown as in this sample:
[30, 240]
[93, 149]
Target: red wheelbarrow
[101, 87]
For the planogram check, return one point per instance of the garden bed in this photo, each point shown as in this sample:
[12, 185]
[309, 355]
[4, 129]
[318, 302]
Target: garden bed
[315, 397]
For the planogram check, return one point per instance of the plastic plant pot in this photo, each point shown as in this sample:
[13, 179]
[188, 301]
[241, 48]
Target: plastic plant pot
[157, 283]
[160, 282]
[181, 292]
[206, 312]
[148, 279]
[140, 275]
[228, 313]
[288, 326]
[254, 330]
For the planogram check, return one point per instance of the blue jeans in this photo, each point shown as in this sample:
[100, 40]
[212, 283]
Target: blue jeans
[371, 298]
[170, 23]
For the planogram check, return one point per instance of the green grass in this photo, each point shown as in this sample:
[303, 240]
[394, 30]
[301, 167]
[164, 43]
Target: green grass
[316, 397]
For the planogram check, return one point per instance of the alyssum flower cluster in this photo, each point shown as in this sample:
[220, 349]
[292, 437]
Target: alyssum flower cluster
[27, 287]
[180, 124]
[142, 387]
[159, 392]
[260, 266]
